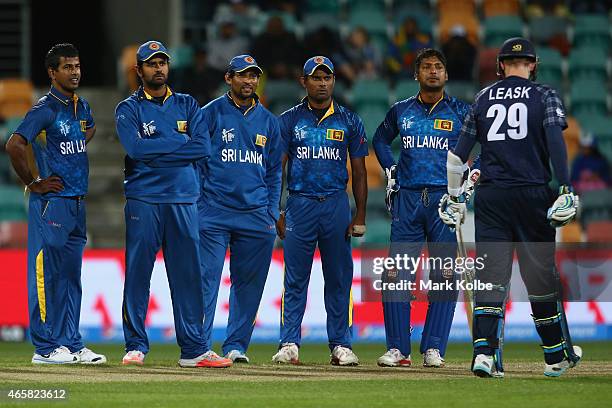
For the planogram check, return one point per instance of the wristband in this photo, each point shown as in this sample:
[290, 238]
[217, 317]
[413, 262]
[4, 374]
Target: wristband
[359, 229]
[36, 180]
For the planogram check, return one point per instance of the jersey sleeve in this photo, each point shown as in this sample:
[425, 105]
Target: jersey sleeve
[284, 121]
[358, 141]
[273, 178]
[554, 111]
[385, 133]
[88, 116]
[37, 119]
[467, 137]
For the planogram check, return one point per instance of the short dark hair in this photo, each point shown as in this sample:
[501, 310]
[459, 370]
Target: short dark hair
[65, 50]
[428, 53]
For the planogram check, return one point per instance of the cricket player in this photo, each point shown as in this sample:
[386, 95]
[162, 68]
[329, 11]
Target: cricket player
[57, 130]
[318, 134]
[164, 135]
[238, 206]
[428, 124]
[519, 125]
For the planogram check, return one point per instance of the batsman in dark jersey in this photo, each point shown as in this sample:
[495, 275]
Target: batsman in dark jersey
[519, 125]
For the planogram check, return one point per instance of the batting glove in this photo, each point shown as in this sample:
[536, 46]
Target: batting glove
[470, 184]
[564, 209]
[452, 209]
[392, 187]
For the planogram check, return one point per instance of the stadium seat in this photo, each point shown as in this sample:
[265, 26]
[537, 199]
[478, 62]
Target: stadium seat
[599, 231]
[12, 203]
[601, 127]
[375, 173]
[487, 66]
[405, 89]
[423, 18]
[365, 5]
[550, 62]
[498, 29]
[370, 91]
[551, 79]
[592, 30]
[127, 72]
[464, 90]
[456, 6]
[373, 21]
[283, 90]
[313, 21]
[325, 6]
[544, 29]
[493, 8]
[587, 95]
[451, 19]
[571, 232]
[15, 97]
[588, 62]
[596, 206]
[379, 230]
[5, 168]
[372, 115]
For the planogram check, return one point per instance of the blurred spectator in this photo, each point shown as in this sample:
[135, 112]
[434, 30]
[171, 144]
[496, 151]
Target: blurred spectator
[404, 47]
[199, 79]
[460, 55]
[540, 8]
[276, 41]
[243, 14]
[359, 58]
[227, 44]
[590, 169]
[322, 41]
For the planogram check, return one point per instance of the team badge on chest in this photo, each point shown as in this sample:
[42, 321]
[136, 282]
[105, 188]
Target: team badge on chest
[261, 140]
[335, 135]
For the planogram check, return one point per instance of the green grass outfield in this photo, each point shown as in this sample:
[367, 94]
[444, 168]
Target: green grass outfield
[161, 383]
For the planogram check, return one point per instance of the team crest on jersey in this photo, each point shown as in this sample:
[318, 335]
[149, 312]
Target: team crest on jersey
[181, 125]
[443, 124]
[407, 123]
[261, 140]
[334, 134]
[300, 132]
[83, 125]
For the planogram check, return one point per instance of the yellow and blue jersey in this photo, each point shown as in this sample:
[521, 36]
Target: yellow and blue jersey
[317, 148]
[163, 141]
[56, 127]
[426, 136]
[243, 172]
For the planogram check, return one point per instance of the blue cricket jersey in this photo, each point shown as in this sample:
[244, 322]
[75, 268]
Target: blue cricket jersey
[508, 119]
[55, 127]
[317, 149]
[243, 172]
[163, 142]
[426, 136]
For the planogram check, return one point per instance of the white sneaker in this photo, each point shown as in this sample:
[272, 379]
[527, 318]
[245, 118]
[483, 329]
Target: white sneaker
[133, 357]
[86, 356]
[60, 355]
[432, 358]
[237, 356]
[484, 366]
[555, 370]
[343, 356]
[210, 359]
[288, 354]
[394, 358]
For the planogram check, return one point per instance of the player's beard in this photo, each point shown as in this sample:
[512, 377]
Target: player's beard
[428, 88]
[156, 82]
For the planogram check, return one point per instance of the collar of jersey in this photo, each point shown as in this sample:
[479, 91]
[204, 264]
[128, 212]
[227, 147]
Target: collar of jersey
[54, 92]
[333, 107]
[254, 102]
[444, 97]
[144, 95]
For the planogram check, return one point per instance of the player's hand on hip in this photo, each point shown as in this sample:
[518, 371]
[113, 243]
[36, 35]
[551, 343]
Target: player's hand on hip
[452, 209]
[51, 184]
[392, 187]
[564, 209]
[280, 225]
